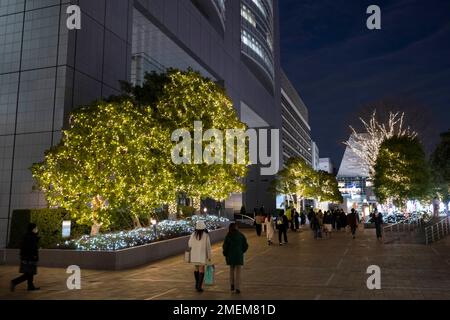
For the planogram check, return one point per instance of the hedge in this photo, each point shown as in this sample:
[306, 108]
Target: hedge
[49, 223]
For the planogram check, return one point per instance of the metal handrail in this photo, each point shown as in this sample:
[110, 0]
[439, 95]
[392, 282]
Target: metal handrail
[244, 216]
[437, 231]
[412, 224]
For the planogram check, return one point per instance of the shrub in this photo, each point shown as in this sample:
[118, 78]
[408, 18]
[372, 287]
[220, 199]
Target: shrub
[49, 223]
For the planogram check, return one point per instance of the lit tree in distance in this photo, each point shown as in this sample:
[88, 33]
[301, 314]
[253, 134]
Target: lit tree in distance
[366, 144]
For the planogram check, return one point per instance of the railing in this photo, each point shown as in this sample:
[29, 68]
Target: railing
[437, 231]
[409, 225]
[244, 217]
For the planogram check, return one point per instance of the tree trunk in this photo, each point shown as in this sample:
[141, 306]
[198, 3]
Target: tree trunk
[196, 204]
[173, 210]
[95, 228]
[136, 222]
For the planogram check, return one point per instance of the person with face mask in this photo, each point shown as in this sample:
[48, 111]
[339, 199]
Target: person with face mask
[29, 256]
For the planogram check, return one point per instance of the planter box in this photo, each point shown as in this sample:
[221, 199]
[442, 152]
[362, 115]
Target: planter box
[110, 260]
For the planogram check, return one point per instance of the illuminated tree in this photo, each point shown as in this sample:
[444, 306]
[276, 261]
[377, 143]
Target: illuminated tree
[401, 171]
[183, 97]
[296, 178]
[366, 143]
[326, 187]
[113, 156]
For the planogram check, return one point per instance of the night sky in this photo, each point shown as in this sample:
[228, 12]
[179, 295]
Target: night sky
[338, 65]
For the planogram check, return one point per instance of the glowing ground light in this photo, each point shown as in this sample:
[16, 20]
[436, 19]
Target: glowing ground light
[126, 239]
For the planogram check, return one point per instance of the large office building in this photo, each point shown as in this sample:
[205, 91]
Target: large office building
[296, 132]
[47, 70]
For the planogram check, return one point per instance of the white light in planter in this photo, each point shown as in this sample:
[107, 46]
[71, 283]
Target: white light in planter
[66, 225]
[205, 210]
[153, 222]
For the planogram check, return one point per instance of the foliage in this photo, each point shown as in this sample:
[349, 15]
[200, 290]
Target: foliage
[401, 171]
[366, 144]
[49, 223]
[182, 98]
[300, 179]
[326, 187]
[440, 164]
[110, 158]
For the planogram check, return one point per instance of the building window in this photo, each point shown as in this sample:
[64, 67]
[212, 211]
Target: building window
[260, 6]
[248, 15]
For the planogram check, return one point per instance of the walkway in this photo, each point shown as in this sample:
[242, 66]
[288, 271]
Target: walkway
[304, 269]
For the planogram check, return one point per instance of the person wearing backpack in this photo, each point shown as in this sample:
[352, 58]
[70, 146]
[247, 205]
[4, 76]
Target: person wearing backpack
[282, 226]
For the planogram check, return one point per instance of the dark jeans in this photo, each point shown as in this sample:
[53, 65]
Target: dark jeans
[258, 229]
[353, 228]
[24, 277]
[378, 228]
[282, 231]
[317, 233]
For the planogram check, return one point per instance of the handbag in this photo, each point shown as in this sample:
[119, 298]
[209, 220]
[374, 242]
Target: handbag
[187, 255]
[209, 275]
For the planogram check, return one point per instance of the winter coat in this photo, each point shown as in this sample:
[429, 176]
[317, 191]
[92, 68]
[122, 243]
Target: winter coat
[200, 249]
[315, 223]
[352, 219]
[29, 253]
[234, 247]
[270, 228]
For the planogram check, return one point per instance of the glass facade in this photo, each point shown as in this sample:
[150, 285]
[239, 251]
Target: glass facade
[257, 33]
[45, 71]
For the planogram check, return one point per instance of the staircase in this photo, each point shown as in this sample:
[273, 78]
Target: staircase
[414, 230]
[437, 231]
[410, 230]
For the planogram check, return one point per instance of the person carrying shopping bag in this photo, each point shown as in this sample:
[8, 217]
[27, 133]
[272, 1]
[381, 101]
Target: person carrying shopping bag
[234, 247]
[200, 252]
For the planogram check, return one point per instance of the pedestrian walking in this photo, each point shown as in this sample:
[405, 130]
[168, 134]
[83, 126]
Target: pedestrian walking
[315, 226]
[270, 229]
[200, 252]
[29, 257]
[377, 218]
[259, 220]
[327, 223]
[296, 218]
[282, 226]
[352, 220]
[311, 215]
[234, 247]
[302, 218]
[343, 219]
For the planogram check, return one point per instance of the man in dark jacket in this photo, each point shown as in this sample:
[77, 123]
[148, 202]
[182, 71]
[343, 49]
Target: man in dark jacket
[29, 256]
[234, 247]
[282, 226]
[377, 218]
[353, 220]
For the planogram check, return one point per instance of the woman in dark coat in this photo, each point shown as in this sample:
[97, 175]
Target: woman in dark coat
[234, 247]
[29, 256]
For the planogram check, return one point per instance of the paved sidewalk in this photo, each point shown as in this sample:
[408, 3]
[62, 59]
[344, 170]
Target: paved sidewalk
[304, 269]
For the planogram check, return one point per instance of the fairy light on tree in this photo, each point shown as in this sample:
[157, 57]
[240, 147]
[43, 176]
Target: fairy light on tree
[366, 144]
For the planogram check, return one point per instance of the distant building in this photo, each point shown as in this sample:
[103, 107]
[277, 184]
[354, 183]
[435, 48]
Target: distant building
[315, 156]
[296, 132]
[325, 164]
[353, 180]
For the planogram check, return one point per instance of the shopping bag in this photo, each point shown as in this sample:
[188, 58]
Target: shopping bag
[187, 256]
[209, 275]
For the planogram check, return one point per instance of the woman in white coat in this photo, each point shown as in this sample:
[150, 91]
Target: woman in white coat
[200, 248]
[270, 228]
